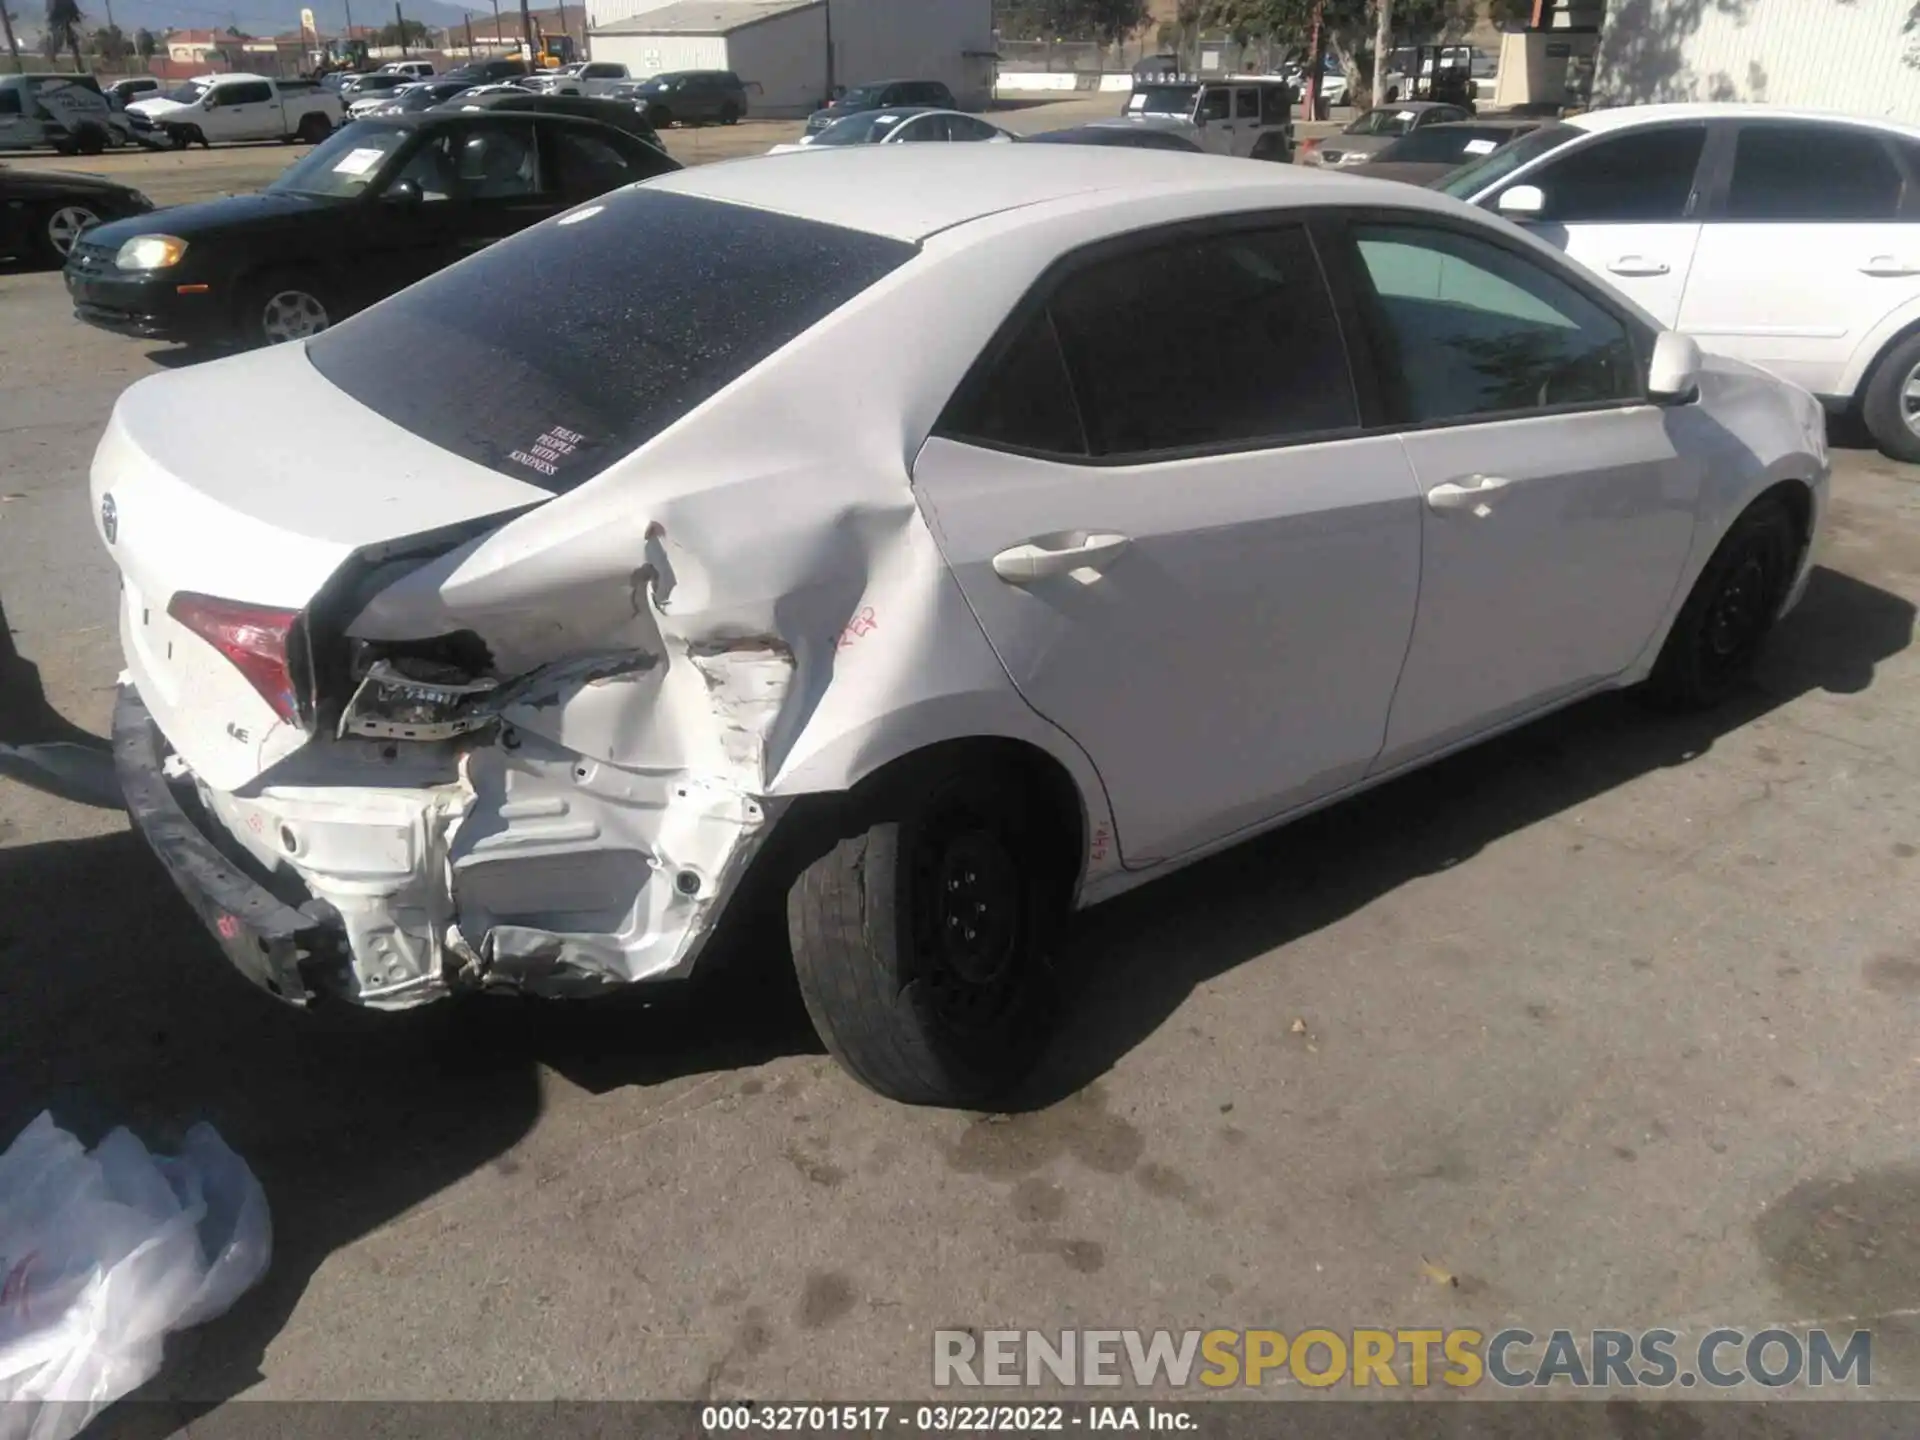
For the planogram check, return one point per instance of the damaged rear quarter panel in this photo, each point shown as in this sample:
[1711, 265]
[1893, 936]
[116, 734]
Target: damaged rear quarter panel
[749, 608]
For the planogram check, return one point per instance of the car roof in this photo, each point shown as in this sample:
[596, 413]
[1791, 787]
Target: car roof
[1627, 117]
[910, 193]
[1411, 105]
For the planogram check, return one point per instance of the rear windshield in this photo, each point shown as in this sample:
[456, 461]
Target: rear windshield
[552, 355]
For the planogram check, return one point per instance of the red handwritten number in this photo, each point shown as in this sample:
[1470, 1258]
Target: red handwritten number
[862, 625]
[1100, 839]
[229, 927]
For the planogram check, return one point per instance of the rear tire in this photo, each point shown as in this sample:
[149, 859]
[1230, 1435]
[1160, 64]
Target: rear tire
[91, 140]
[729, 114]
[1717, 637]
[921, 944]
[1890, 405]
[313, 128]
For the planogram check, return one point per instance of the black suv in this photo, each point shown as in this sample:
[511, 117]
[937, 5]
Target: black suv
[488, 72]
[627, 115]
[878, 96]
[690, 97]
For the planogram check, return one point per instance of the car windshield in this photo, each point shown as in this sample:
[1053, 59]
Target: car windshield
[343, 164]
[425, 97]
[1385, 121]
[862, 95]
[868, 129]
[472, 360]
[1446, 144]
[191, 93]
[1474, 176]
[1162, 100]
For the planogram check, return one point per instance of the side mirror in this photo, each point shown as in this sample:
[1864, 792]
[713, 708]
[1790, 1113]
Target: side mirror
[1673, 375]
[212, 102]
[1521, 202]
[404, 193]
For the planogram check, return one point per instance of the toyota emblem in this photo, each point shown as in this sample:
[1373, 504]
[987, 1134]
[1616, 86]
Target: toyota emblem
[109, 519]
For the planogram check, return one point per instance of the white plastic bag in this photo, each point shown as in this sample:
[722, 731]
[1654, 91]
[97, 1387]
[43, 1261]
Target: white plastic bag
[103, 1253]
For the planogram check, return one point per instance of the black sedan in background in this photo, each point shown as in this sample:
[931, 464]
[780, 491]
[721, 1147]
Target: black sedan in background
[377, 206]
[1132, 134]
[1435, 150]
[42, 212]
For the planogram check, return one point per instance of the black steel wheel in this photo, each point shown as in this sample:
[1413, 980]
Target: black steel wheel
[1720, 630]
[922, 943]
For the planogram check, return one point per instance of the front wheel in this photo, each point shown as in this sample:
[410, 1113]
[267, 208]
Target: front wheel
[660, 117]
[1891, 404]
[921, 944]
[280, 309]
[1717, 637]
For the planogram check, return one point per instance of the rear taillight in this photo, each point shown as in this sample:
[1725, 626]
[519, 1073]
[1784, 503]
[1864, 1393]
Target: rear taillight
[254, 638]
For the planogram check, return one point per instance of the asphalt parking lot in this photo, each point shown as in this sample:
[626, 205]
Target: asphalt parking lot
[1612, 1023]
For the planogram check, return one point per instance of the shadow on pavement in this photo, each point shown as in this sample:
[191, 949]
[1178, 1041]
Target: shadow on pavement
[25, 716]
[1133, 961]
[114, 1009]
[178, 357]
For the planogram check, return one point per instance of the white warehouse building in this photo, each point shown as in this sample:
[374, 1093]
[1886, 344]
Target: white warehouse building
[790, 53]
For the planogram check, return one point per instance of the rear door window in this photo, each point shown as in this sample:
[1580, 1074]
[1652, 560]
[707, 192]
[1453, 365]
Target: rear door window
[1641, 176]
[1831, 173]
[552, 355]
[1275, 105]
[1206, 342]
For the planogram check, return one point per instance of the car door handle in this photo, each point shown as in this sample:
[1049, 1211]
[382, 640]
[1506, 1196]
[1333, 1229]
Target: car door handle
[1047, 556]
[1637, 265]
[1889, 266]
[1469, 492]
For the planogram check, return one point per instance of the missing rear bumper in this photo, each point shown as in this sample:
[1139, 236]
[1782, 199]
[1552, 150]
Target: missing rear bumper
[273, 944]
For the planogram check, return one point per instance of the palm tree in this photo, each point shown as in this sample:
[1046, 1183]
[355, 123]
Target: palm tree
[63, 27]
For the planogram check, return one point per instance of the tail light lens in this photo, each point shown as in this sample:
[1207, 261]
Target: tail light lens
[254, 638]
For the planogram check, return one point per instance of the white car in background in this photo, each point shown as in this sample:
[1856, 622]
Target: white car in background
[1192, 495]
[1790, 239]
[899, 125]
[582, 77]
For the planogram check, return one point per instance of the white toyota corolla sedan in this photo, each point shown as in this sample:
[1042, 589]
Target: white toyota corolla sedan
[1170, 497]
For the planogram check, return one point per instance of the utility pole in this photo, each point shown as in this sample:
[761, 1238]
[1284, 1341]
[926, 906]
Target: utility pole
[347, 48]
[469, 36]
[13, 45]
[828, 7]
[526, 30]
[400, 24]
[1382, 48]
[1316, 64]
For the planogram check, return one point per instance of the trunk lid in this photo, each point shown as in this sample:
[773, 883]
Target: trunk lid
[253, 480]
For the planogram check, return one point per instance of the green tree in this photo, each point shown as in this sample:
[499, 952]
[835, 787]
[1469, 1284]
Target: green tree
[63, 29]
[1110, 21]
[145, 43]
[416, 35]
[110, 44]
